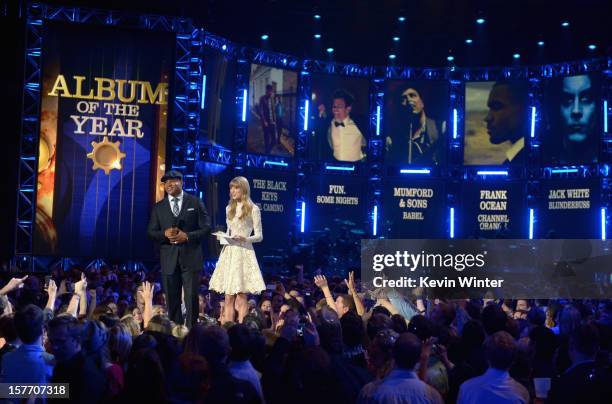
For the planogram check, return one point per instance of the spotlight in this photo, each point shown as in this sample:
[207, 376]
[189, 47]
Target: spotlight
[317, 16]
[565, 24]
[317, 36]
[396, 39]
[540, 43]
[224, 47]
[401, 19]
[450, 58]
[592, 47]
[265, 37]
[480, 21]
[468, 41]
[516, 56]
[392, 56]
[330, 50]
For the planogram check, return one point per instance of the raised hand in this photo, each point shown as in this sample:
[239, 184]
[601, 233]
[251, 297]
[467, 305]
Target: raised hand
[311, 336]
[147, 291]
[350, 283]
[52, 288]
[320, 281]
[81, 286]
[13, 284]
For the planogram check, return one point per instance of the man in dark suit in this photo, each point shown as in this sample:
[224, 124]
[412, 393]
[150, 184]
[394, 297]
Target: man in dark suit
[179, 223]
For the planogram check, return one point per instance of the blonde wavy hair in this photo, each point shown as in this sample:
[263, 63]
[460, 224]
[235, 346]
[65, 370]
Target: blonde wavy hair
[247, 203]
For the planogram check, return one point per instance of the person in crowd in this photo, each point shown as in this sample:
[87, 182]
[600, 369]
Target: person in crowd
[402, 383]
[495, 385]
[28, 363]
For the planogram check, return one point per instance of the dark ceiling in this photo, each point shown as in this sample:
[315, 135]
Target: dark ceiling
[361, 31]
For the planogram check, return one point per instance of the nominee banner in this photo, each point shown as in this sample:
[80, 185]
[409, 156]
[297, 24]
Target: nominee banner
[336, 203]
[569, 208]
[274, 193]
[103, 125]
[413, 209]
[493, 209]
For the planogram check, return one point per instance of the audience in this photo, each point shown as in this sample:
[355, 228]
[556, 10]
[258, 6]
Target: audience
[321, 340]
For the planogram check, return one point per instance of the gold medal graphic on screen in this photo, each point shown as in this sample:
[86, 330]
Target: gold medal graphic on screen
[106, 155]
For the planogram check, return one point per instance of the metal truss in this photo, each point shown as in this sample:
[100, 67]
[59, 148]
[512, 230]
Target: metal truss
[216, 154]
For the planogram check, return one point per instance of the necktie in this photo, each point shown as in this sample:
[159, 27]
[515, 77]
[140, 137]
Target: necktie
[175, 207]
[339, 124]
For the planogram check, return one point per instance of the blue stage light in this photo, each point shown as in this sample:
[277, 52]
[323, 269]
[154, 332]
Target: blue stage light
[265, 37]
[340, 168]
[493, 172]
[244, 104]
[533, 119]
[455, 123]
[317, 36]
[276, 163]
[605, 116]
[375, 221]
[415, 171]
[530, 224]
[306, 112]
[392, 56]
[564, 170]
[302, 216]
[480, 21]
[450, 58]
[224, 47]
[396, 39]
[540, 43]
[516, 56]
[317, 16]
[401, 19]
[592, 47]
[378, 120]
[330, 50]
[468, 41]
[202, 102]
[603, 223]
[565, 24]
[451, 220]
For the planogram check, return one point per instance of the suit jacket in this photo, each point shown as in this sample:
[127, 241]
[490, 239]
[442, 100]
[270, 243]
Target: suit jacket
[193, 220]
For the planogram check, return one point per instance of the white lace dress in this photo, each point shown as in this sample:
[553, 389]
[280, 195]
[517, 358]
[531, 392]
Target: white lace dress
[237, 270]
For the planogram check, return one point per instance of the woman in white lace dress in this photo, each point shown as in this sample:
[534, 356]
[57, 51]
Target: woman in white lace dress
[237, 272]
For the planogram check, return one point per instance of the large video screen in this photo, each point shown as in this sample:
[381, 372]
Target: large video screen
[496, 122]
[338, 118]
[572, 110]
[415, 122]
[272, 127]
[219, 113]
[103, 125]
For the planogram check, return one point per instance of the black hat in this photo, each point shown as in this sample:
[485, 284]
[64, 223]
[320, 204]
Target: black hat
[172, 174]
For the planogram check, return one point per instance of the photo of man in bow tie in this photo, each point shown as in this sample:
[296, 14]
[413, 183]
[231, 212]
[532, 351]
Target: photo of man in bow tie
[344, 137]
